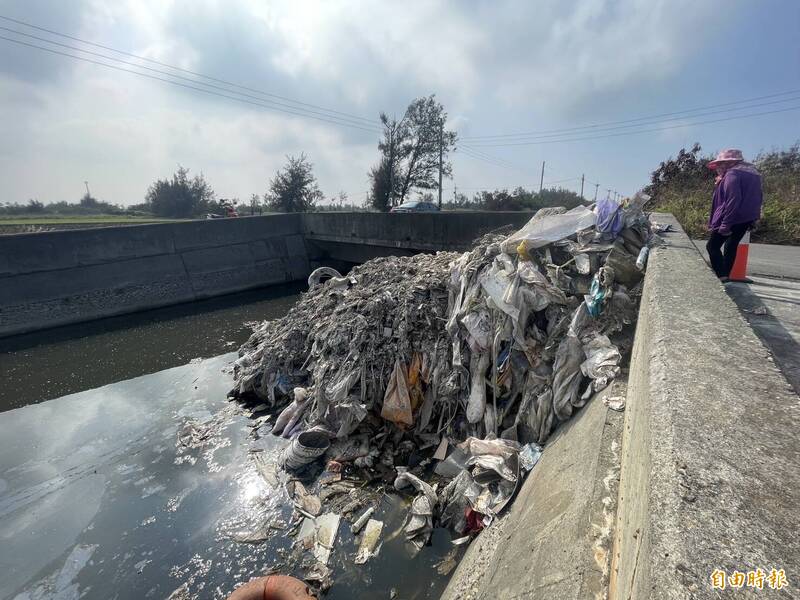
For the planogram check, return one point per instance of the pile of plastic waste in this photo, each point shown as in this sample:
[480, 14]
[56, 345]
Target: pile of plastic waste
[445, 374]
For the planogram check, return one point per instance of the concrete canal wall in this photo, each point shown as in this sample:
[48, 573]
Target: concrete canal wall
[701, 475]
[358, 237]
[61, 277]
[710, 453]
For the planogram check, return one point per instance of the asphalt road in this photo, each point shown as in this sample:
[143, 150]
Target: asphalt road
[771, 304]
[772, 308]
[769, 260]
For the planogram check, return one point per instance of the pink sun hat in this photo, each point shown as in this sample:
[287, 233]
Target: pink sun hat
[729, 155]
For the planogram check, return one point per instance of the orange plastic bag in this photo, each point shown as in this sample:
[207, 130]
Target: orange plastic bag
[396, 400]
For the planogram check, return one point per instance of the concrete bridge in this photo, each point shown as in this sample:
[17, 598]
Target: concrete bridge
[698, 474]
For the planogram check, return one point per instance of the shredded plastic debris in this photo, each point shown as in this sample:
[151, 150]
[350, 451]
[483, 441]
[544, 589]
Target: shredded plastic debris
[369, 541]
[445, 374]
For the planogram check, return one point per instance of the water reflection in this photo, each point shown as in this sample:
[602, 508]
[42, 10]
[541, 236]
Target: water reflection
[147, 486]
[52, 363]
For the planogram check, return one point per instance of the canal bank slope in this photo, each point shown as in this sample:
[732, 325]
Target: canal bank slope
[709, 465]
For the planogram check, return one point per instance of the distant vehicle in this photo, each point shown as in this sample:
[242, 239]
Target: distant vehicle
[415, 206]
[230, 211]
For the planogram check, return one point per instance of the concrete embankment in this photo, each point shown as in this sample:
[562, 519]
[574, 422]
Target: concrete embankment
[555, 540]
[358, 237]
[56, 278]
[708, 458]
[711, 452]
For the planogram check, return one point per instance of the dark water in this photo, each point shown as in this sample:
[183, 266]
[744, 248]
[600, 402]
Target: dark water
[109, 492]
[52, 363]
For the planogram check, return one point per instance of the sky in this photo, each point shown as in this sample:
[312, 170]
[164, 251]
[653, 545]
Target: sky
[501, 68]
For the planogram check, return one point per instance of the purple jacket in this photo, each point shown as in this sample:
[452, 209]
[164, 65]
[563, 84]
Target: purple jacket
[737, 198]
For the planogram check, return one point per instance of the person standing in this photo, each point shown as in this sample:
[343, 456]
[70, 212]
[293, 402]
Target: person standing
[735, 207]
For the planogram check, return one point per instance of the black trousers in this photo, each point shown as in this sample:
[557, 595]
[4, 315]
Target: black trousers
[722, 248]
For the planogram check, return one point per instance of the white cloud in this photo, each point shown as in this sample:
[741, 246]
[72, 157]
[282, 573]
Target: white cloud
[567, 53]
[491, 63]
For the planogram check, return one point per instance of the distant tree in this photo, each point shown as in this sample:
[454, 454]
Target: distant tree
[294, 188]
[499, 200]
[138, 209]
[461, 200]
[88, 205]
[522, 199]
[34, 206]
[555, 197]
[89, 201]
[180, 196]
[410, 152]
[419, 151]
[380, 196]
[255, 204]
[686, 169]
[780, 162]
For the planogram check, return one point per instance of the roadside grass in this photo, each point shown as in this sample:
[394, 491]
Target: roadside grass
[780, 222]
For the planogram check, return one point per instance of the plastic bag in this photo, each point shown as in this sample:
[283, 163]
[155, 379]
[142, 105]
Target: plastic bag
[602, 361]
[609, 217]
[539, 232]
[396, 401]
[599, 291]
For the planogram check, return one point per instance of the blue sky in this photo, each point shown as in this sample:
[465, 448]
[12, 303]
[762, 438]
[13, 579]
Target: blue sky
[499, 67]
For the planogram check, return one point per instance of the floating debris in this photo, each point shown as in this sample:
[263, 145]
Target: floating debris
[302, 499]
[359, 523]
[369, 541]
[319, 535]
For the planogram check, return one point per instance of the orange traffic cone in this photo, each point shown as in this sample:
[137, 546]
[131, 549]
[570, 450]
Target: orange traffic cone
[739, 270]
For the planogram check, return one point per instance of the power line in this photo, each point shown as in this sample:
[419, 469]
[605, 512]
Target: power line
[469, 153]
[564, 131]
[491, 160]
[597, 137]
[188, 71]
[727, 110]
[489, 157]
[210, 85]
[555, 135]
[261, 103]
[522, 185]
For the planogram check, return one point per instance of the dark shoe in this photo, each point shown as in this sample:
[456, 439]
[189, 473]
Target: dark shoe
[724, 279]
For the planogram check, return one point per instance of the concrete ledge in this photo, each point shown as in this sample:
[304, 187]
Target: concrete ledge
[555, 541]
[711, 454]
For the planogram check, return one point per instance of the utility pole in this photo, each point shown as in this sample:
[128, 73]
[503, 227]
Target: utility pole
[441, 151]
[541, 180]
[582, 178]
[455, 194]
[596, 186]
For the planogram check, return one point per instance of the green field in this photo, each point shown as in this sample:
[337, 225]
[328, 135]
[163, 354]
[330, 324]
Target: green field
[80, 219]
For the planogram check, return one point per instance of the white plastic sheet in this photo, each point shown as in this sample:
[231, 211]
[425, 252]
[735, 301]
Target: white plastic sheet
[602, 361]
[552, 228]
